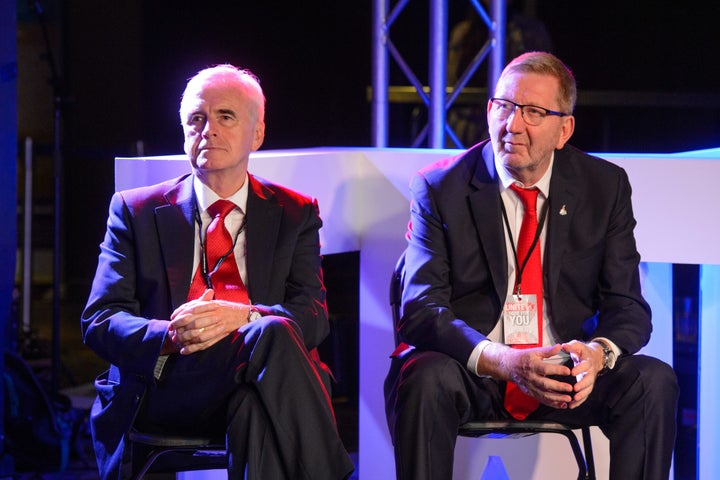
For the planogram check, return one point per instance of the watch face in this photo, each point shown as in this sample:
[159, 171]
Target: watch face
[609, 355]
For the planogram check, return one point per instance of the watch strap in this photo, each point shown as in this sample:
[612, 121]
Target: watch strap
[608, 356]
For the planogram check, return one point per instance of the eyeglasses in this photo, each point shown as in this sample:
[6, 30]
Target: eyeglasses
[532, 114]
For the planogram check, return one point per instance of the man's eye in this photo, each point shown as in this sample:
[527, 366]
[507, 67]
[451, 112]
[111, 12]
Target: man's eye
[196, 119]
[534, 112]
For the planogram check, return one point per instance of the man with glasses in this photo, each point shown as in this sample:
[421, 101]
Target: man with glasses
[521, 292]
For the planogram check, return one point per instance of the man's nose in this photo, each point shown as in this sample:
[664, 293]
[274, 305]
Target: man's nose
[515, 121]
[208, 129]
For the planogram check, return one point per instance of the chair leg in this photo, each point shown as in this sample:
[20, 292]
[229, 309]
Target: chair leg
[579, 457]
[589, 458]
[146, 466]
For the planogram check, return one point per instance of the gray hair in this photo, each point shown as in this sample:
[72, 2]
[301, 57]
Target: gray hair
[544, 63]
[229, 74]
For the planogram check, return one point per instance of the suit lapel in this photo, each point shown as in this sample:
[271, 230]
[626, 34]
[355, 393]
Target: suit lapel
[562, 207]
[264, 215]
[485, 207]
[176, 228]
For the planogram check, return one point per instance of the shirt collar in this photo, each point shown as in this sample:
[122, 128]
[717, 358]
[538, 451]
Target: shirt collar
[506, 179]
[206, 196]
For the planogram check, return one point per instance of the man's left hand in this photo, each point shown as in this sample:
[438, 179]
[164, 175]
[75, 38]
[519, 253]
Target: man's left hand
[201, 323]
[588, 362]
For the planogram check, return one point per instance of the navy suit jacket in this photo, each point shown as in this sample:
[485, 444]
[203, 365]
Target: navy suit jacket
[456, 275]
[144, 273]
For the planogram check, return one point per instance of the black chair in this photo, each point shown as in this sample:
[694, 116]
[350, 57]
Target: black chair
[155, 453]
[510, 428]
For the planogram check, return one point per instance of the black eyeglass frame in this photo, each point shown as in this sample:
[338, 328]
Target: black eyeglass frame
[522, 110]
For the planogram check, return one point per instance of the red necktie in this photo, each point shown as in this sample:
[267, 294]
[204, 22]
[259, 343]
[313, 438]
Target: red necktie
[530, 276]
[219, 260]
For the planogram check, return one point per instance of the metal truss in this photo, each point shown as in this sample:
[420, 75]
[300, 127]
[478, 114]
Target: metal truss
[438, 97]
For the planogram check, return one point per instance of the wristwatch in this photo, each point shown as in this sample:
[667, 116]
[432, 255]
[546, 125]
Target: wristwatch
[609, 357]
[253, 314]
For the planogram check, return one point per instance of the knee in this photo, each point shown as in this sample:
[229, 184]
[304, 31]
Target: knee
[658, 376]
[270, 335]
[273, 327]
[427, 373]
[427, 392]
[271, 342]
[273, 322]
[655, 379]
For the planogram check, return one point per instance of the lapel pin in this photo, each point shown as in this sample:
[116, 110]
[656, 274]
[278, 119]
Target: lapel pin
[563, 211]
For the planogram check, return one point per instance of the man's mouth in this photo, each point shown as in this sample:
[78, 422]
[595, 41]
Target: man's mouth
[511, 146]
[205, 148]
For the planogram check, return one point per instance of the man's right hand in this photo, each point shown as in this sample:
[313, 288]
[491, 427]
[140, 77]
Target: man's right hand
[201, 323]
[530, 371]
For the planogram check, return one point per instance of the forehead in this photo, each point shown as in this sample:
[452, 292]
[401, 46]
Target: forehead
[212, 95]
[529, 88]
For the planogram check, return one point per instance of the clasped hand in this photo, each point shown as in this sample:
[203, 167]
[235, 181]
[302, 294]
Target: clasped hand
[201, 323]
[541, 379]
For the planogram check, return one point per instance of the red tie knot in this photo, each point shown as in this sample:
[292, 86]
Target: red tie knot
[221, 208]
[528, 196]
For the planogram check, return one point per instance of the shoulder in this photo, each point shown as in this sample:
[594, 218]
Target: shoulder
[147, 198]
[589, 176]
[156, 192]
[586, 162]
[270, 199]
[455, 174]
[456, 168]
[268, 190]
[462, 164]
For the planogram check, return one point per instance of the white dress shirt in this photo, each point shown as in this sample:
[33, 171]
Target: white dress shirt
[233, 221]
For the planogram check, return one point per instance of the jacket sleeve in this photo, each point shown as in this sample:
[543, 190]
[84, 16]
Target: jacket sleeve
[113, 324]
[623, 314]
[432, 316]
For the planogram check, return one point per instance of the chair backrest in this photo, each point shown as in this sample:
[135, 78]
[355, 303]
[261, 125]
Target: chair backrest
[395, 296]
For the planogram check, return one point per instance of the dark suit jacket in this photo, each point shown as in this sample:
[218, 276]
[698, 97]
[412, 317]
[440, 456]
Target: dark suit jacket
[456, 275]
[144, 273]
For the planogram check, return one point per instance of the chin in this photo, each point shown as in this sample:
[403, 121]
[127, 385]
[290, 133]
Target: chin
[514, 160]
[206, 159]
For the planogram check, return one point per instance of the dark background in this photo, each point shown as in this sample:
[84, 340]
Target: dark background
[122, 67]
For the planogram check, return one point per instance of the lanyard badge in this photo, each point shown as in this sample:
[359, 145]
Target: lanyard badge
[520, 319]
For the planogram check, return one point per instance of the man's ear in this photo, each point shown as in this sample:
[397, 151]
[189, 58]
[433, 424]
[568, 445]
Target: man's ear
[259, 135]
[567, 129]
